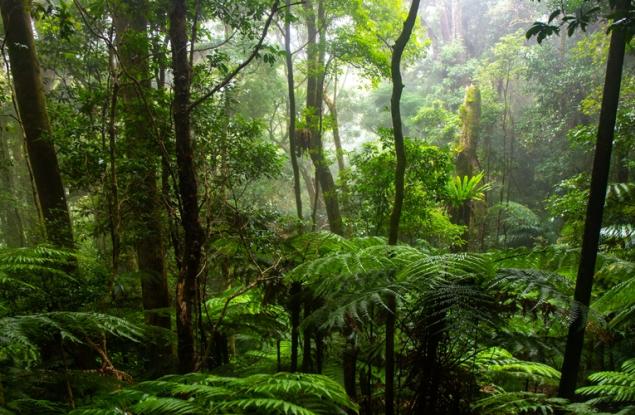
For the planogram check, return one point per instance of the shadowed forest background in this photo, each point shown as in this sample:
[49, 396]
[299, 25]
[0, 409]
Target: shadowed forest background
[317, 207]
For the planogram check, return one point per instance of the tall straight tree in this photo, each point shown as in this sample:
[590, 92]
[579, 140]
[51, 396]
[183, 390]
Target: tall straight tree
[595, 206]
[292, 110]
[400, 171]
[188, 187]
[31, 102]
[182, 108]
[144, 218]
[314, 99]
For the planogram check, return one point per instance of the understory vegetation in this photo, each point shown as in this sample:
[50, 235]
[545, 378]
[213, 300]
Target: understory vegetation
[317, 207]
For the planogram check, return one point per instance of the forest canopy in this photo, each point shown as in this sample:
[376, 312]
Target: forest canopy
[317, 207]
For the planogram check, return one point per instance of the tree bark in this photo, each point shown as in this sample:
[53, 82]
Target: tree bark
[31, 103]
[293, 154]
[595, 207]
[339, 152]
[400, 170]
[12, 228]
[295, 301]
[144, 219]
[467, 164]
[188, 187]
[315, 88]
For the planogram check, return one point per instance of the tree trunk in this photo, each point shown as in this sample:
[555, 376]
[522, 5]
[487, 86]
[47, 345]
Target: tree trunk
[467, 164]
[314, 88]
[466, 160]
[595, 207]
[145, 222]
[31, 104]
[292, 110]
[12, 228]
[307, 359]
[188, 187]
[294, 311]
[349, 364]
[339, 152]
[400, 170]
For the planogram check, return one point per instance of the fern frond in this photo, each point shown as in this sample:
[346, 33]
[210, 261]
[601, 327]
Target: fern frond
[20, 336]
[497, 360]
[280, 393]
[512, 403]
[613, 386]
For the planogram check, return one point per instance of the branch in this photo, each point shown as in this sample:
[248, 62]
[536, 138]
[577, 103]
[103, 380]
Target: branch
[230, 76]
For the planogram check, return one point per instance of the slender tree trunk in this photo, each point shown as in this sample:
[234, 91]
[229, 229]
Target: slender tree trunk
[144, 219]
[339, 152]
[294, 311]
[307, 359]
[308, 183]
[400, 170]
[293, 153]
[188, 187]
[114, 214]
[315, 83]
[595, 207]
[349, 363]
[31, 104]
[12, 228]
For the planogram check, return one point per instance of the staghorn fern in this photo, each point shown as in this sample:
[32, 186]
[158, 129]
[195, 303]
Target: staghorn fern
[198, 393]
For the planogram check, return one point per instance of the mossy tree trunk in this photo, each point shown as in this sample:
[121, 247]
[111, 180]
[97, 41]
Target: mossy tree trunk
[12, 228]
[314, 99]
[31, 103]
[144, 221]
[467, 164]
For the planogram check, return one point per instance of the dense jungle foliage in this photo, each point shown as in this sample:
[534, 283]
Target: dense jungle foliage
[317, 207]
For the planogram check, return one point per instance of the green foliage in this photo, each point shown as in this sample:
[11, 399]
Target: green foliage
[371, 184]
[461, 190]
[612, 386]
[199, 393]
[496, 361]
[22, 335]
[511, 403]
[511, 224]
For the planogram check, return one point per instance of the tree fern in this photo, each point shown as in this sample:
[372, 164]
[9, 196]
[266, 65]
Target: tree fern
[198, 393]
[498, 361]
[20, 336]
[613, 386]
